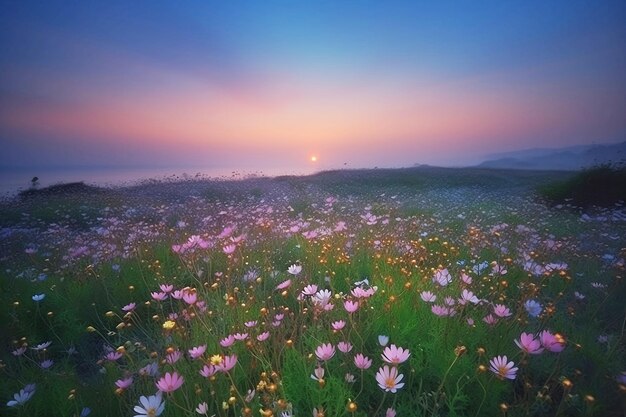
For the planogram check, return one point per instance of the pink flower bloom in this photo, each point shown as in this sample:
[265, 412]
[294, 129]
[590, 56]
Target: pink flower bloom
[283, 285]
[390, 412]
[502, 368]
[124, 383]
[442, 277]
[529, 344]
[129, 307]
[388, 379]
[360, 292]
[351, 306]
[552, 342]
[190, 296]
[170, 382]
[309, 290]
[166, 288]
[113, 356]
[395, 355]
[344, 347]
[428, 296]
[468, 297]
[208, 371]
[250, 324]
[325, 351]
[263, 336]
[362, 362]
[240, 336]
[228, 363]
[338, 325]
[318, 373]
[197, 351]
[229, 249]
[466, 278]
[173, 357]
[158, 296]
[294, 269]
[178, 294]
[442, 311]
[202, 409]
[227, 341]
[490, 319]
[501, 310]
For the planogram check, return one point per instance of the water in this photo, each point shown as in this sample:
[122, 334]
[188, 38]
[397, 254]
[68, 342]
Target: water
[13, 181]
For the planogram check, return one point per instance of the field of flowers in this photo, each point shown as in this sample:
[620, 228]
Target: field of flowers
[418, 292]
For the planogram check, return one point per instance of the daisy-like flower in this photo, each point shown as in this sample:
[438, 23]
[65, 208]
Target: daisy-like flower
[338, 325]
[173, 357]
[395, 355]
[552, 342]
[250, 324]
[151, 406]
[262, 337]
[388, 379]
[170, 382]
[124, 383]
[46, 364]
[197, 351]
[22, 397]
[325, 351]
[351, 306]
[42, 346]
[468, 297]
[240, 336]
[503, 368]
[158, 296]
[501, 310]
[344, 347]
[227, 341]
[227, 363]
[229, 249]
[309, 290]
[283, 285]
[533, 308]
[129, 307]
[383, 340]
[208, 370]
[428, 296]
[38, 297]
[442, 277]
[318, 373]
[529, 344]
[202, 408]
[294, 269]
[361, 361]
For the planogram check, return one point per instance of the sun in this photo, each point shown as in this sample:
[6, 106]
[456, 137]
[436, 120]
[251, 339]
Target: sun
[313, 158]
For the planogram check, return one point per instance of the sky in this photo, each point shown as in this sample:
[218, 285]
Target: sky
[259, 84]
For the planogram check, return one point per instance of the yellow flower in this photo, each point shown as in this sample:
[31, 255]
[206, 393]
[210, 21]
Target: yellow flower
[216, 359]
[169, 325]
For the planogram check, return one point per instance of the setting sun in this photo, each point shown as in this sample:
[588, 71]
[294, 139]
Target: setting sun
[314, 158]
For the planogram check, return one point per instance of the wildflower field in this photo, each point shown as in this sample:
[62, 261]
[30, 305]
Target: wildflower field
[415, 292]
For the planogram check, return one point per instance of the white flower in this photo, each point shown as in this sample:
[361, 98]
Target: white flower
[21, 397]
[294, 269]
[383, 340]
[152, 406]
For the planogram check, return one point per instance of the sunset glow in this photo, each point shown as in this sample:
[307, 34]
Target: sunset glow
[382, 85]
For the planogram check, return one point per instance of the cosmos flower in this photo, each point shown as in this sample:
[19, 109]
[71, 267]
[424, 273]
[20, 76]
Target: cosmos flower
[344, 347]
[529, 344]
[294, 269]
[197, 351]
[395, 355]
[227, 363]
[124, 383]
[338, 325]
[318, 373]
[202, 408]
[501, 310]
[22, 397]
[442, 277]
[428, 296]
[325, 351]
[129, 307]
[502, 368]
[151, 406]
[263, 336]
[388, 379]
[170, 382]
[208, 370]
[283, 285]
[552, 342]
[361, 361]
[351, 306]
[309, 290]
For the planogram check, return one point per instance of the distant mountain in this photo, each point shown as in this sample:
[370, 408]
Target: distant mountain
[562, 159]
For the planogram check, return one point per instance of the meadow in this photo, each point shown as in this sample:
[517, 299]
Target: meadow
[412, 292]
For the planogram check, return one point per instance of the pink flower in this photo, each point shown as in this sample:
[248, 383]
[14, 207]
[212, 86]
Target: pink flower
[190, 296]
[124, 383]
[344, 347]
[228, 363]
[388, 379]
[227, 341]
[318, 373]
[129, 307]
[395, 355]
[208, 371]
[294, 269]
[170, 382]
[263, 336]
[428, 296]
[173, 357]
[351, 306]
[552, 342]
[240, 336]
[158, 296]
[309, 290]
[325, 351]
[490, 319]
[250, 324]
[501, 310]
[529, 344]
[338, 325]
[166, 288]
[178, 294]
[362, 362]
[283, 285]
[197, 351]
[442, 277]
[502, 368]
[229, 249]
[441, 311]
[113, 356]
[468, 297]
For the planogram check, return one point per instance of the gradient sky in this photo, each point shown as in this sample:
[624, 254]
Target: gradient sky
[271, 83]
